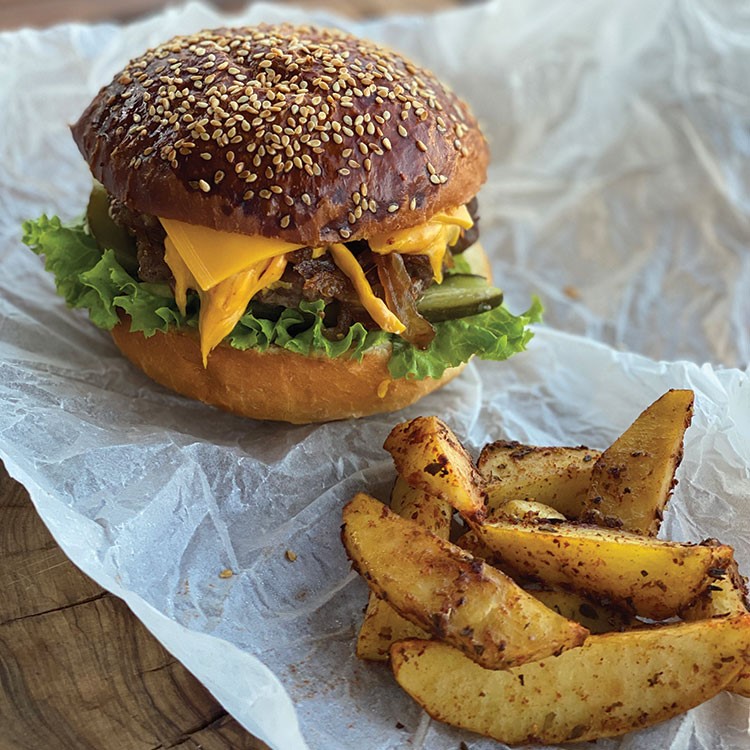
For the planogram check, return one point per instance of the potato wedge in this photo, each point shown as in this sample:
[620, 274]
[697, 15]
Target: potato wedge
[381, 628]
[382, 625]
[448, 593]
[521, 509]
[724, 596]
[633, 479]
[651, 577]
[556, 476]
[429, 456]
[470, 542]
[429, 510]
[594, 616]
[614, 683]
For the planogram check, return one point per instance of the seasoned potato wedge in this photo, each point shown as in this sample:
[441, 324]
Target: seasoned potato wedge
[521, 509]
[558, 477]
[594, 616]
[429, 510]
[429, 456]
[614, 683]
[652, 577]
[633, 479]
[448, 593]
[724, 596]
[382, 625]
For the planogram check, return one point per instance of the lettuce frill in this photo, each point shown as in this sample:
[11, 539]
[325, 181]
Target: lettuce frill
[87, 277]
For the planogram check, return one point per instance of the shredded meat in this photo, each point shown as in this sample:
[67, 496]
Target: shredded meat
[308, 278]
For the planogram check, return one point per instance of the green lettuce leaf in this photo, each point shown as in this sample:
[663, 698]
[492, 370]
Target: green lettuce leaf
[88, 278]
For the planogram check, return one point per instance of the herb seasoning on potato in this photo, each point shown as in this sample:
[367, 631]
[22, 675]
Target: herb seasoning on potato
[663, 625]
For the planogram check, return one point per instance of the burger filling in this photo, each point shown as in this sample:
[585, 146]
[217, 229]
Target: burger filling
[377, 282]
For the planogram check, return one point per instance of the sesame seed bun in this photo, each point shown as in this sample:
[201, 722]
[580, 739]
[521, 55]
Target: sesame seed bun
[303, 134]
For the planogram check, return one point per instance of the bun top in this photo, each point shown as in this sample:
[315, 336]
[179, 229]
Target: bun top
[304, 134]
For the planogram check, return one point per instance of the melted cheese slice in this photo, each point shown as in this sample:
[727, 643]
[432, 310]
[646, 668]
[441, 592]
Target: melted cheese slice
[378, 310]
[228, 270]
[213, 256]
[432, 238]
[224, 303]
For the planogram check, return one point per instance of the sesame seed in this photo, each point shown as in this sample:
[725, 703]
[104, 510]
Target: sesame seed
[285, 221]
[204, 186]
[392, 207]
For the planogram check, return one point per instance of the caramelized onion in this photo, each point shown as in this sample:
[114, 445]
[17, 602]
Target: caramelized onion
[399, 298]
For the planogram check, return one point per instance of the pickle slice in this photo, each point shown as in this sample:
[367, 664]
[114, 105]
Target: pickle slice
[458, 296]
[108, 235]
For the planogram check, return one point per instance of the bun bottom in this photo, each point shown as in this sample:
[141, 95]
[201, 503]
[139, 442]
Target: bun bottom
[276, 384]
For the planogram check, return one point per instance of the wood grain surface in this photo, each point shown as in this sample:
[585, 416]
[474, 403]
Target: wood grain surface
[77, 670]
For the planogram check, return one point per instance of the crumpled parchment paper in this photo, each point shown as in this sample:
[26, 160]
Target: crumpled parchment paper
[618, 191]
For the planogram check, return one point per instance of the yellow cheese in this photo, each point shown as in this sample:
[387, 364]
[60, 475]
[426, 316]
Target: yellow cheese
[213, 256]
[457, 217]
[228, 270]
[431, 238]
[183, 279]
[224, 303]
[378, 310]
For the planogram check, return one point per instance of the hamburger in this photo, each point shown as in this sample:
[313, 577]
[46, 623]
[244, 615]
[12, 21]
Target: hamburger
[284, 225]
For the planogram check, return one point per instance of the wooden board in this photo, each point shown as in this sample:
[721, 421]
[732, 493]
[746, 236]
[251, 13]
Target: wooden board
[79, 671]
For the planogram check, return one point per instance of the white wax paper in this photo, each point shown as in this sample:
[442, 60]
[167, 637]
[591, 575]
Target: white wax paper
[618, 191]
